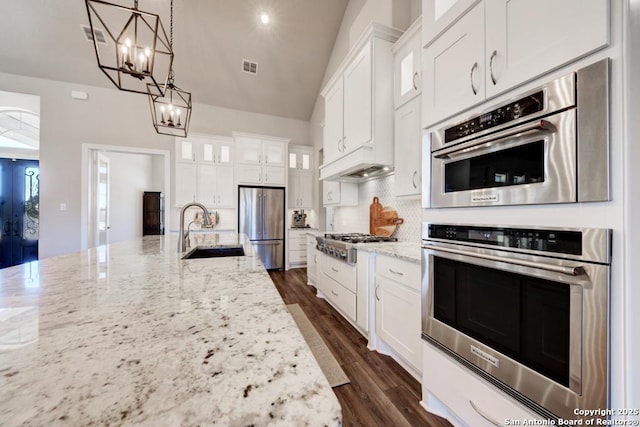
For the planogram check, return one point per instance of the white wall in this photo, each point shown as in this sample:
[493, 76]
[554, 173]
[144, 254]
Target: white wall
[130, 176]
[110, 117]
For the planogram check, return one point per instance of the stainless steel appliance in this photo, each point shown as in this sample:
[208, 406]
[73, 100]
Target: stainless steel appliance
[548, 145]
[261, 216]
[299, 219]
[340, 245]
[526, 308]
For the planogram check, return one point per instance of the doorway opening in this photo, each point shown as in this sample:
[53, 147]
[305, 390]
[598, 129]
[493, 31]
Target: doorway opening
[112, 193]
[19, 178]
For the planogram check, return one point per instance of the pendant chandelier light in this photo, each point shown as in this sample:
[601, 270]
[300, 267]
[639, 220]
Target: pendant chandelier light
[143, 56]
[171, 111]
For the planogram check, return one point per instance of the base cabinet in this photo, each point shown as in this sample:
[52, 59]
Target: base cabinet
[398, 307]
[337, 282]
[297, 248]
[313, 260]
[477, 403]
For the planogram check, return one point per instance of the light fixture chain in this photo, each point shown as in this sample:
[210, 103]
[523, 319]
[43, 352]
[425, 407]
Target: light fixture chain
[171, 73]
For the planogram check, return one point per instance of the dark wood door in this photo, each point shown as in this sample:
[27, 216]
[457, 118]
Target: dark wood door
[19, 211]
[152, 213]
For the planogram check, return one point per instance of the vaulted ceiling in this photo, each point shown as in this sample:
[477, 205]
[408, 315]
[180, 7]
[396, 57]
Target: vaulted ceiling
[44, 38]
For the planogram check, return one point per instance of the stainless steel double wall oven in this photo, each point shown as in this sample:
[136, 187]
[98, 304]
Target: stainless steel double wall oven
[525, 306]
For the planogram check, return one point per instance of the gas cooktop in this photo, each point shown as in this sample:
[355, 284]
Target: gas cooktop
[358, 238]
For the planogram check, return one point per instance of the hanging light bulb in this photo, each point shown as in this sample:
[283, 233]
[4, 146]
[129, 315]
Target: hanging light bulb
[143, 54]
[175, 102]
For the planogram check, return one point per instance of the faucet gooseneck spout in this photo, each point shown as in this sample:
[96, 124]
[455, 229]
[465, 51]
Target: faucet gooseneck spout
[183, 242]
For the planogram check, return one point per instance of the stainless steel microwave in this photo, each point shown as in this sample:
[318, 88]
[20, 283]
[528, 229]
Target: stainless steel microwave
[548, 145]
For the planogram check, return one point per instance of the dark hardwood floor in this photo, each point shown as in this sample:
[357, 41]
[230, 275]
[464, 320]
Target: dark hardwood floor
[381, 393]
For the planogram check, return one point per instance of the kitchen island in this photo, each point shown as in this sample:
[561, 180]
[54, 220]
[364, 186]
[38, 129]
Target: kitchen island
[131, 334]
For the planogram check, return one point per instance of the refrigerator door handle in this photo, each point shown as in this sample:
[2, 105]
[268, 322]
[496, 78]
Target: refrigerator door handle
[265, 242]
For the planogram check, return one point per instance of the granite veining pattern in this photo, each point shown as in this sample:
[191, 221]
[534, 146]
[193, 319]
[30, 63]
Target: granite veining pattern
[408, 251]
[130, 334]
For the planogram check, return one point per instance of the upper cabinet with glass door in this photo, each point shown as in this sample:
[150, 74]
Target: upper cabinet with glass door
[407, 68]
[205, 149]
[300, 157]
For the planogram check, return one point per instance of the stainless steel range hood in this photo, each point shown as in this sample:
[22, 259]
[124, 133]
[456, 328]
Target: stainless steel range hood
[358, 166]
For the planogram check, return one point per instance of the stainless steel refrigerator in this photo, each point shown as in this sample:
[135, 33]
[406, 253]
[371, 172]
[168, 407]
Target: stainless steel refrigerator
[261, 216]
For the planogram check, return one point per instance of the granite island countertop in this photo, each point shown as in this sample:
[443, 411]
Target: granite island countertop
[130, 334]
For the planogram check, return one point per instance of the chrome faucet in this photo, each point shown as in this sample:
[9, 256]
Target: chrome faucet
[183, 240]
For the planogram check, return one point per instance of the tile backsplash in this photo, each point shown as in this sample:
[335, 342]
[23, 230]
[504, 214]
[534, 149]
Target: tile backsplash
[355, 219]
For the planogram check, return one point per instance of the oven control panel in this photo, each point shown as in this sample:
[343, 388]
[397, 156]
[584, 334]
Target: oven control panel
[513, 111]
[544, 240]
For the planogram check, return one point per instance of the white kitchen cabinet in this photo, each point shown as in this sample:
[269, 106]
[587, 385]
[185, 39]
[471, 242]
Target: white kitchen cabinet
[214, 186]
[186, 179]
[337, 282]
[498, 45]
[333, 127]
[407, 146]
[205, 149]
[525, 39]
[260, 159]
[301, 183]
[301, 190]
[297, 248]
[335, 193]
[211, 185]
[398, 307]
[474, 404]
[313, 260]
[204, 171]
[358, 102]
[454, 68]
[407, 65]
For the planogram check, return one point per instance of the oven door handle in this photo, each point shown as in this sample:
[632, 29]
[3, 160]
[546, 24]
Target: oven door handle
[570, 271]
[477, 144]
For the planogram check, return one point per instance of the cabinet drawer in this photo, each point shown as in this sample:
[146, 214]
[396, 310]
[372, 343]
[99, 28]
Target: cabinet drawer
[342, 298]
[297, 257]
[442, 377]
[405, 272]
[296, 243]
[341, 272]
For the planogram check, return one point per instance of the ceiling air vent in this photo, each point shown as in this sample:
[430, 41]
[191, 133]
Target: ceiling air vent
[249, 67]
[99, 34]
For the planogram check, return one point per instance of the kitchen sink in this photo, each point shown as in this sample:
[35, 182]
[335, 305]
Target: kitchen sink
[214, 252]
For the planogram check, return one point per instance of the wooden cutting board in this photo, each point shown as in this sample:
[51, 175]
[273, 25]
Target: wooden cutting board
[382, 221]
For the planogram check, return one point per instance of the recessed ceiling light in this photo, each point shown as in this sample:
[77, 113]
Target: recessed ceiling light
[264, 18]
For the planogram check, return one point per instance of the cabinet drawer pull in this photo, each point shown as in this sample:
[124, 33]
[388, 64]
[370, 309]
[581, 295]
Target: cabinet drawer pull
[493, 78]
[473, 68]
[413, 179]
[486, 417]
[333, 293]
[339, 145]
[399, 273]
[335, 270]
[376, 293]
[415, 86]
